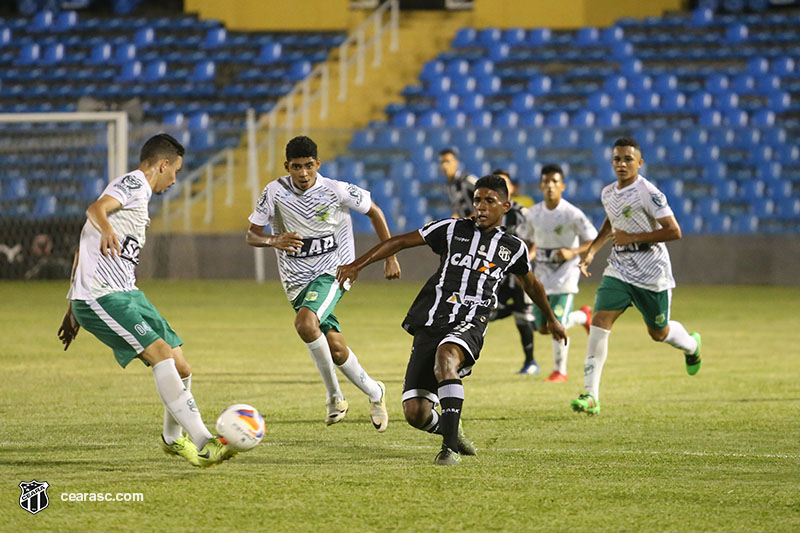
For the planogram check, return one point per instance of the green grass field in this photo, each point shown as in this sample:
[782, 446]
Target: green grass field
[715, 452]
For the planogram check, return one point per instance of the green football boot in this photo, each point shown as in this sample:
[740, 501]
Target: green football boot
[693, 360]
[465, 446]
[586, 403]
[213, 453]
[182, 447]
[447, 457]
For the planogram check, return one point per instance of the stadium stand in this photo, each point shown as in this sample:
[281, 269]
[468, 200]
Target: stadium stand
[192, 77]
[712, 96]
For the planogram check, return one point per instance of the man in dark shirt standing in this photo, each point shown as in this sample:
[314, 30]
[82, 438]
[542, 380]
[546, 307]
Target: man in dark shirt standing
[459, 184]
[449, 316]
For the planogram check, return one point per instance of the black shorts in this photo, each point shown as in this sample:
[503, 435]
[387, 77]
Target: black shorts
[511, 298]
[420, 381]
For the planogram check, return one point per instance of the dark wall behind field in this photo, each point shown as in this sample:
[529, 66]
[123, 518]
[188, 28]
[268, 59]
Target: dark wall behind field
[707, 259]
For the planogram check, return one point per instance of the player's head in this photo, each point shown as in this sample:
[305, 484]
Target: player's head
[161, 155]
[490, 201]
[510, 183]
[448, 162]
[552, 183]
[302, 163]
[626, 159]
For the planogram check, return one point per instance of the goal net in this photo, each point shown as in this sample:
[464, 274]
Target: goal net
[52, 166]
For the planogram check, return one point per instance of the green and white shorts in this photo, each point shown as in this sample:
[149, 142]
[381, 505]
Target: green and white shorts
[321, 296]
[561, 304]
[124, 321]
[614, 294]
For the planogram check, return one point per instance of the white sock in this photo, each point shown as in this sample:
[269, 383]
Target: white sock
[321, 354]
[679, 338]
[596, 353]
[359, 377]
[560, 352]
[575, 318]
[172, 429]
[180, 402]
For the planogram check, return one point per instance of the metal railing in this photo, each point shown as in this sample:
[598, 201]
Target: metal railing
[210, 172]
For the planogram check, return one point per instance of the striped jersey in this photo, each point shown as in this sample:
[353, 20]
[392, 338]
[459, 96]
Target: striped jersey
[321, 216]
[472, 263]
[566, 226]
[460, 190]
[97, 275]
[635, 209]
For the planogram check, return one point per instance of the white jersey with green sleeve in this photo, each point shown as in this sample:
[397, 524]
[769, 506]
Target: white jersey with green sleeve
[321, 216]
[635, 209]
[97, 275]
[566, 226]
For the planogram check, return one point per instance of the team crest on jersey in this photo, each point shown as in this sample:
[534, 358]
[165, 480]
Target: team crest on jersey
[34, 496]
[627, 212]
[322, 214]
[558, 229]
[659, 199]
[355, 193]
[312, 296]
[504, 253]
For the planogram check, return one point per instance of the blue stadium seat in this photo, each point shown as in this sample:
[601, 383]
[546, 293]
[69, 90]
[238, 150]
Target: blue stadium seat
[762, 207]
[44, 207]
[429, 119]
[587, 36]
[471, 103]
[489, 138]
[131, 71]
[465, 37]
[744, 224]
[454, 119]
[540, 85]
[463, 137]
[404, 119]
[506, 119]
[447, 102]
[489, 36]
[155, 71]
[557, 118]
[298, 70]
[788, 207]
[482, 67]
[65, 21]
[783, 66]
[432, 69]
[125, 53]
[538, 36]
[513, 36]
[29, 54]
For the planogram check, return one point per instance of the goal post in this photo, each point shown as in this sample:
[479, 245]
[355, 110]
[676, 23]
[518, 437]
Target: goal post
[52, 166]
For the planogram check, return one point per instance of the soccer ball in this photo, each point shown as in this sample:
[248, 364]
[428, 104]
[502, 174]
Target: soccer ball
[240, 427]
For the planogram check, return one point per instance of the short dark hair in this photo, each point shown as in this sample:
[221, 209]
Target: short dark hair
[161, 146]
[300, 147]
[552, 169]
[495, 183]
[501, 172]
[628, 141]
[449, 151]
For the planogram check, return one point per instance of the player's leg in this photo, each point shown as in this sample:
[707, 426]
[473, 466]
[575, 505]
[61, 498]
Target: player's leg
[524, 319]
[318, 295]
[561, 304]
[655, 308]
[420, 388]
[612, 298]
[449, 358]
[348, 363]
[172, 431]
[580, 317]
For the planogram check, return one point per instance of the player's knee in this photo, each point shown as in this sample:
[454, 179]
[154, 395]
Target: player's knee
[339, 352]
[414, 413]
[183, 367]
[658, 335]
[305, 323]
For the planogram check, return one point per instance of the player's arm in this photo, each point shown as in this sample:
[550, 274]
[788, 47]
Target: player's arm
[670, 230]
[565, 254]
[391, 267]
[533, 288]
[288, 242]
[97, 213]
[380, 251]
[603, 235]
[69, 324]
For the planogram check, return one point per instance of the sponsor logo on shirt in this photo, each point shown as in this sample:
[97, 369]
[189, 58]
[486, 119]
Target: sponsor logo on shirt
[355, 194]
[322, 214]
[659, 199]
[627, 212]
[471, 301]
[314, 246]
[476, 263]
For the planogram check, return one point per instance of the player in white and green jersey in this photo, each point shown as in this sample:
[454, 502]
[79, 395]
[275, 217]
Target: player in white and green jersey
[639, 221]
[105, 301]
[558, 232]
[312, 233]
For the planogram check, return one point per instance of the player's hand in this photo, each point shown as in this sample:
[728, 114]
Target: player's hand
[584, 264]
[565, 254]
[69, 329]
[288, 242]
[557, 331]
[346, 275]
[391, 268]
[109, 244]
[622, 237]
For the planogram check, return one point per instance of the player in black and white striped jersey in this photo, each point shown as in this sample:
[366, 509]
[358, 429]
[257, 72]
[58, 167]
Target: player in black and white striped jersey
[511, 298]
[639, 221]
[448, 318]
[460, 185]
